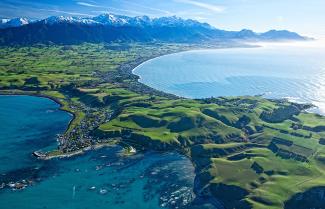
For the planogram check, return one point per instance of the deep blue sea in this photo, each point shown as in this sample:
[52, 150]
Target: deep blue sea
[98, 179]
[293, 71]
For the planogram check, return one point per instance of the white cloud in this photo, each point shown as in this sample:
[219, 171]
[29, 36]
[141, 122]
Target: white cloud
[86, 4]
[211, 7]
[148, 8]
[65, 12]
[107, 9]
[117, 11]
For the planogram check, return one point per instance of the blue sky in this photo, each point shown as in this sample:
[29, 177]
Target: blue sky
[304, 16]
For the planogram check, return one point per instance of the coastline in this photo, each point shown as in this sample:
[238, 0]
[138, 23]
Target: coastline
[247, 45]
[53, 154]
[194, 50]
[79, 152]
[314, 109]
[136, 66]
[56, 100]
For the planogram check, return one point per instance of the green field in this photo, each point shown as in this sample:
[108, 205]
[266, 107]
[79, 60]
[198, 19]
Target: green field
[249, 152]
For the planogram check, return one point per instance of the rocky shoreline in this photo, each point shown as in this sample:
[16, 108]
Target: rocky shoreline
[53, 155]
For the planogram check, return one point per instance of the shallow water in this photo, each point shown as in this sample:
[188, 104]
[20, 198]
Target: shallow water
[98, 179]
[101, 179]
[296, 72]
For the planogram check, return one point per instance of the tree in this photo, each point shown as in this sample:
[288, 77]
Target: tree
[32, 81]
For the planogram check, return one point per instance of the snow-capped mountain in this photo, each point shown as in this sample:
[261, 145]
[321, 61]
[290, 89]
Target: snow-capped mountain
[3, 21]
[110, 27]
[111, 19]
[62, 19]
[107, 19]
[16, 22]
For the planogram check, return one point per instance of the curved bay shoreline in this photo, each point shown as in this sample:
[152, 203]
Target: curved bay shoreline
[35, 94]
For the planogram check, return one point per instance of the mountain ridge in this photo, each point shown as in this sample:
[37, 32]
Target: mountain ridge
[105, 19]
[109, 27]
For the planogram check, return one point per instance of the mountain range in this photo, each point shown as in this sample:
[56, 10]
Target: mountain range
[110, 27]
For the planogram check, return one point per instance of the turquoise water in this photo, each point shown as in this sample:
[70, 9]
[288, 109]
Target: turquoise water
[98, 179]
[27, 124]
[296, 72]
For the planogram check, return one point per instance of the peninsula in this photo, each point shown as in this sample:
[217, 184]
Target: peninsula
[248, 152]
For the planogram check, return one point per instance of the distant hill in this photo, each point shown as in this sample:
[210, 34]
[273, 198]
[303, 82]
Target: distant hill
[110, 27]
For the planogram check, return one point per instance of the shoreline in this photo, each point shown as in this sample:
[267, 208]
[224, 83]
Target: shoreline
[129, 68]
[57, 101]
[315, 109]
[247, 46]
[80, 152]
[243, 46]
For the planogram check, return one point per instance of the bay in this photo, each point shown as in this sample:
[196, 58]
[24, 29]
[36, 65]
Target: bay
[292, 71]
